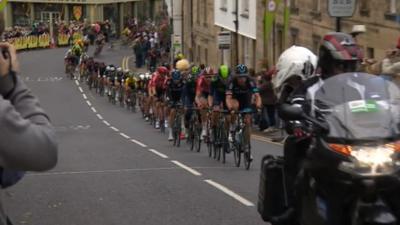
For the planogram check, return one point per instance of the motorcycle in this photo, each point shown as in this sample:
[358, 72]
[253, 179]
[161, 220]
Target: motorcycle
[351, 172]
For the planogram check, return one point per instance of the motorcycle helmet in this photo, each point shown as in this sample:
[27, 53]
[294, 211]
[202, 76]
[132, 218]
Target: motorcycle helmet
[223, 72]
[338, 53]
[242, 70]
[294, 61]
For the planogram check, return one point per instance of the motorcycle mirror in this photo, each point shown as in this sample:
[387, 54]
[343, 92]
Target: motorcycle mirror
[290, 112]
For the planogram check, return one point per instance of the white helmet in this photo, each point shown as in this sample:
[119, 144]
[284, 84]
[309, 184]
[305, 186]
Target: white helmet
[126, 71]
[108, 68]
[141, 76]
[294, 61]
[112, 69]
[119, 69]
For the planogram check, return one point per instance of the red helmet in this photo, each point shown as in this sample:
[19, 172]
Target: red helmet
[209, 71]
[162, 70]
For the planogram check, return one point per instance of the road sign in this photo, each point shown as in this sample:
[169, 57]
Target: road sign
[224, 40]
[341, 8]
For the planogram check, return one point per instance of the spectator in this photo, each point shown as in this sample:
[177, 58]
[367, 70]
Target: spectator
[27, 137]
[269, 101]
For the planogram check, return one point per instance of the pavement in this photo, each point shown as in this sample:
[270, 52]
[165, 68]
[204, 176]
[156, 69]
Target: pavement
[114, 168]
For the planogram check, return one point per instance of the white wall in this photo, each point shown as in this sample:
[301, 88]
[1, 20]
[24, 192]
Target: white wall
[247, 26]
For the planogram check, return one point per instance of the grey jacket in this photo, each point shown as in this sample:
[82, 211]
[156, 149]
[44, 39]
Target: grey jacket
[27, 139]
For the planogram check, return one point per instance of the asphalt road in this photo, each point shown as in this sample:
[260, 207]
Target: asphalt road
[114, 168]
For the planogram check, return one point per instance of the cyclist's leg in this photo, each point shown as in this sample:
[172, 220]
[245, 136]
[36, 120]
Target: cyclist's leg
[203, 114]
[232, 118]
[172, 114]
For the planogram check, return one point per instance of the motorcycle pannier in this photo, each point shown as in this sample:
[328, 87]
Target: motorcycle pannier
[272, 197]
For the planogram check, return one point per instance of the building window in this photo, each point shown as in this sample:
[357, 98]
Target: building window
[364, 7]
[205, 14]
[224, 5]
[392, 6]
[316, 39]
[198, 10]
[392, 10]
[294, 34]
[370, 53]
[21, 14]
[316, 10]
[280, 38]
[245, 8]
[294, 8]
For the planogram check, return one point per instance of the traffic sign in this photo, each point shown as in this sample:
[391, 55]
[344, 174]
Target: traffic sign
[341, 8]
[224, 40]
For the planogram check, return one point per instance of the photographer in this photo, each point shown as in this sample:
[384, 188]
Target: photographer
[27, 140]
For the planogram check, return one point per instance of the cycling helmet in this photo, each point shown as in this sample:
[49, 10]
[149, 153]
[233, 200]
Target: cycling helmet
[182, 65]
[242, 70]
[148, 75]
[294, 61]
[208, 71]
[195, 70]
[179, 56]
[176, 75]
[338, 53]
[224, 71]
[162, 70]
[119, 69]
[141, 76]
[112, 69]
[126, 71]
[108, 68]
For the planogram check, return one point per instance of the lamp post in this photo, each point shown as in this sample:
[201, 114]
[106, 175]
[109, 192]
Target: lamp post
[236, 22]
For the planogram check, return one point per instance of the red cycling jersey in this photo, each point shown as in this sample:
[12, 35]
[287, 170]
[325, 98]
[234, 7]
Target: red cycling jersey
[158, 81]
[202, 86]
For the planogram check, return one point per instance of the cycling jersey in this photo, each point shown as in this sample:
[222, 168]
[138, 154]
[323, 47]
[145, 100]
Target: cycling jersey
[202, 86]
[158, 82]
[218, 90]
[189, 92]
[175, 90]
[243, 94]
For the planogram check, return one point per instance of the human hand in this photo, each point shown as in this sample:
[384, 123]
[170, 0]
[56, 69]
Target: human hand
[5, 61]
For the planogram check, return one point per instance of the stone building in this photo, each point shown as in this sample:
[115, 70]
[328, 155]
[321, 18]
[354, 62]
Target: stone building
[26, 12]
[309, 21]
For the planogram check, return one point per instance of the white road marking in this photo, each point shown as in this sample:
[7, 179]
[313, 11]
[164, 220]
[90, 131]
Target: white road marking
[76, 82]
[139, 143]
[158, 153]
[115, 129]
[100, 171]
[99, 116]
[84, 96]
[93, 109]
[80, 89]
[89, 103]
[106, 123]
[190, 170]
[230, 193]
[124, 135]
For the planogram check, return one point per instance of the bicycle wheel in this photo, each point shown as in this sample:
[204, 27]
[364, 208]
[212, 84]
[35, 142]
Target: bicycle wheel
[198, 137]
[246, 150]
[210, 143]
[192, 128]
[224, 144]
[237, 152]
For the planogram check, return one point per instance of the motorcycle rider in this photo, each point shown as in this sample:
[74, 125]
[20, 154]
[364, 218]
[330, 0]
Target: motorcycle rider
[338, 54]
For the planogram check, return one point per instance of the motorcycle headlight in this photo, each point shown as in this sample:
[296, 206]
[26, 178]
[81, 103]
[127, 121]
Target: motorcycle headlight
[369, 160]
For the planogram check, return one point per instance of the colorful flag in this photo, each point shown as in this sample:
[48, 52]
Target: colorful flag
[272, 6]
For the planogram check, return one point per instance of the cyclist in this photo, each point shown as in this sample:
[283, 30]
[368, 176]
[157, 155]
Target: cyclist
[175, 86]
[189, 93]
[158, 91]
[239, 95]
[216, 99]
[203, 85]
